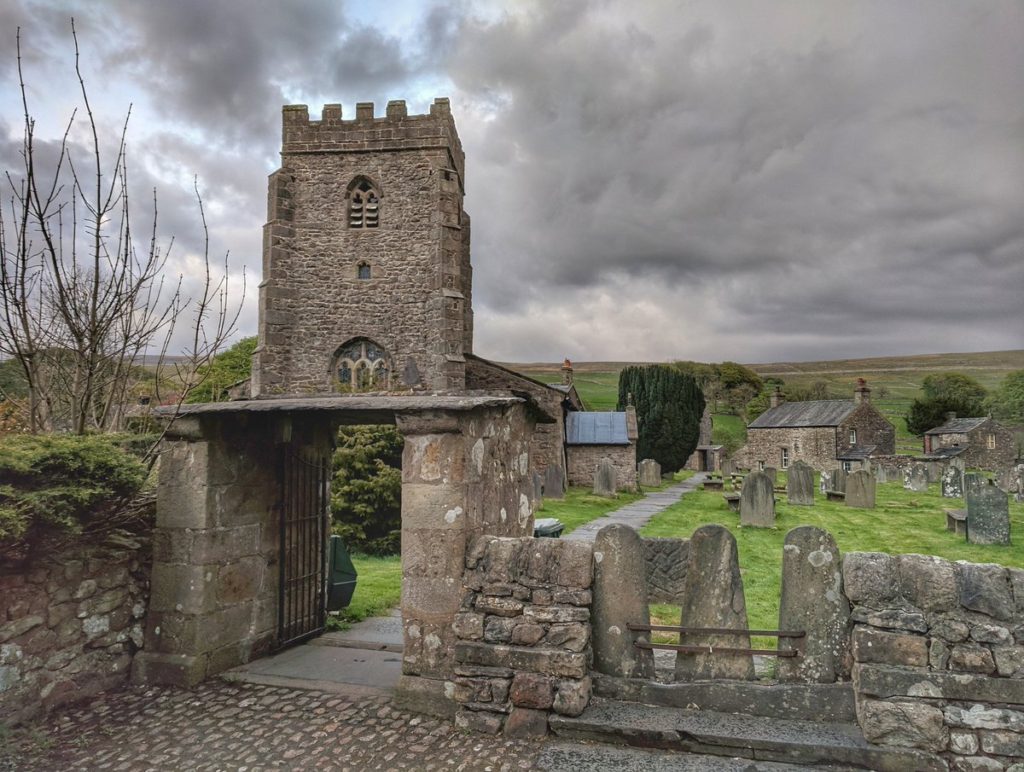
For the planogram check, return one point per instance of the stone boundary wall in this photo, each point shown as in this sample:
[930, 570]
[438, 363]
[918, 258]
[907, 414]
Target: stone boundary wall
[583, 461]
[71, 623]
[523, 646]
[938, 651]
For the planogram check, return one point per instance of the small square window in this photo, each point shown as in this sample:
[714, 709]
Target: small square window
[991, 442]
[363, 271]
[853, 436]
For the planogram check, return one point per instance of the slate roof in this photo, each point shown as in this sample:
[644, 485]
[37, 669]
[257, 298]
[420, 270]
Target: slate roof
[942, 453]
[562, 387]
[958, 426]
[819, 412]
[857, 453]
[596, 429]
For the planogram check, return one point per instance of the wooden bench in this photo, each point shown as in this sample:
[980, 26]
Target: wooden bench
[835, 495]
[714, 485]
[956, 521]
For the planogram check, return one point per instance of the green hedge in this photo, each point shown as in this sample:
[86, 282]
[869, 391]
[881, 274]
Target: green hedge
[62, 484]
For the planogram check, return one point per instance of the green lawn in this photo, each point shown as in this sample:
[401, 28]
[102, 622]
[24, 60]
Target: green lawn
[902, 522]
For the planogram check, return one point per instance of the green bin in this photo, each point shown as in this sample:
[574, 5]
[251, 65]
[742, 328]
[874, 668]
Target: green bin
[341, 576]
[548, 526]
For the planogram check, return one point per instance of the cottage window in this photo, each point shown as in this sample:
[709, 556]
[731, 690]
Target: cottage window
[760, 466]
[784, 460]
[991, 442]
[853, 436]
[847, 466]
[361, 365]
[363, 204]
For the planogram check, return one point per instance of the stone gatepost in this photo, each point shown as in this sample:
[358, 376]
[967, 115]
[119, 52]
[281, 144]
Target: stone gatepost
[463, 475]
[214, 592]
[620, 598]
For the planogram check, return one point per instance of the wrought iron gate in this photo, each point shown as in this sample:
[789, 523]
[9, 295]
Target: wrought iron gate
[304, 510]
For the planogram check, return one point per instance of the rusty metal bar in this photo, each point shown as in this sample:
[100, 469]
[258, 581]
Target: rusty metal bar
[715, 631]
[715, 649]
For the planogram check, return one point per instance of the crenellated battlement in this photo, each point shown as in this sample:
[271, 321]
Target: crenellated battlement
[366, 132]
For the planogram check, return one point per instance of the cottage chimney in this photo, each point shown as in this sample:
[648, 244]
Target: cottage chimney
[776, 398]
[862, 393]
[632, 431]
[567, 373]
[950, 416]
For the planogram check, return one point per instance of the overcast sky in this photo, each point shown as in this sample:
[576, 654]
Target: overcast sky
[756, 181]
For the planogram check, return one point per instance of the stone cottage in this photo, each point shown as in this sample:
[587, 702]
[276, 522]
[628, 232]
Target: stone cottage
[591, 437]
[978, 442]
[823, 433]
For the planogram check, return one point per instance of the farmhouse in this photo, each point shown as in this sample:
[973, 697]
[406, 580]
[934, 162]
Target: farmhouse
[822, 433]
[978, 442]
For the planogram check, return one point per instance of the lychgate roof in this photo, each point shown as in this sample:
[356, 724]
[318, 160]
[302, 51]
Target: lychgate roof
[958, 426]
[596, 429]
[819, 412]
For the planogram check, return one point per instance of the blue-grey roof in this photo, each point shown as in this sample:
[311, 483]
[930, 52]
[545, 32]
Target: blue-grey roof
[958, 426]
[818, 412]
[596, 429]
[942, 453]
[857, 453]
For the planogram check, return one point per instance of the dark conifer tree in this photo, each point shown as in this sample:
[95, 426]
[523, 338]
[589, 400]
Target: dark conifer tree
[669, 405]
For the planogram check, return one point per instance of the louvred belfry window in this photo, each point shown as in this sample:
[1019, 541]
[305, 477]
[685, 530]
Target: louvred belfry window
[363, 205]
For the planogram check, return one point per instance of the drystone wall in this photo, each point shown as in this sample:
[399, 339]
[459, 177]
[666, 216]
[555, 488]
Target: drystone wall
[523, 646]
[584, 460]
[71, 623]
[938, 650]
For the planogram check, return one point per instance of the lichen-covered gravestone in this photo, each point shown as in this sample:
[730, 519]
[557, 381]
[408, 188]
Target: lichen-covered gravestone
[714, 598]
[605, 483]
[881, 473]
[800, 484]
[620, 597]
[757, 501]
[650, 473]
[952, 483]
[860, 489]
[839, 480]
[915, 478]
[825, 483]
[554, 482]
[988, 515]
[1018, 485]
[813, 602]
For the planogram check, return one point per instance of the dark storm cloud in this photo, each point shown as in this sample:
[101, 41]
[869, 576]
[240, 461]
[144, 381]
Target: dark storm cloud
[839, 167]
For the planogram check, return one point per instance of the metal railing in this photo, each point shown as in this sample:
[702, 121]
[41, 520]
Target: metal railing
[796, 635]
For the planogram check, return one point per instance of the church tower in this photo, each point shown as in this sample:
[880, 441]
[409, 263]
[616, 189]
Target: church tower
[367, 284]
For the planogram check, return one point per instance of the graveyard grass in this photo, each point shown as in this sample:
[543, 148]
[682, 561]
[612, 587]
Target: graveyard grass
[902, 522]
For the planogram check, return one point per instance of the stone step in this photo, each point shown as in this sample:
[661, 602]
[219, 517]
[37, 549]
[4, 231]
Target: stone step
[822, 744]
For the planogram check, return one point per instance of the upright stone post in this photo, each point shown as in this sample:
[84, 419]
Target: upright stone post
[800, 484]
[757, 501]
[620, 597]
[812, 601]
[714, 598]
[860, 490]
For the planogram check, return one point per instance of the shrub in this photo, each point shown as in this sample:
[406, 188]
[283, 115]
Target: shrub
[366, 490]
[669, 405]
[224, 371]
[62, 484]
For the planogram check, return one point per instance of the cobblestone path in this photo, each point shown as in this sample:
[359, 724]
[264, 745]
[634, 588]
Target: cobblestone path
[231, 726]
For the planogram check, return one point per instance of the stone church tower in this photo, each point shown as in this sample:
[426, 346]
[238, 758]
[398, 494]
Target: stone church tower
[366, 274]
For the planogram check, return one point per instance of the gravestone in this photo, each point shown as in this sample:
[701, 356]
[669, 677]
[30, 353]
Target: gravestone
[952, 483]
[881, 473]
[620, 597]
[972, 482]
[1018, 486]
[811, 572]
[933, 470]
[605, 483]
[773, 474]
[988, 515]
[839, 480]
[650, 473]
[728, 468]
[714, 598]
[538, 487]
[554, 482]
[800, 484]
[825, 483]
[860, 490]
[757, 501]
[915, 478]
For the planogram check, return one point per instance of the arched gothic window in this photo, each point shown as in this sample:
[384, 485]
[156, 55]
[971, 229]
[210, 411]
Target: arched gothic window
[363, 204]
[362, 365]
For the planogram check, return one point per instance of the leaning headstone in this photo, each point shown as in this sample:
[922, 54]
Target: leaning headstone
[915, 478]
[825, 483]
[800, 484]
[811, 572]
[604, 478]
[952, 483]
[773, 474]
[988, 516]
[839, 479]
[757, 501]
[860, 489]
[554, 482]
[620, 598]
[650, 473]
[538, 487]
[714, 598]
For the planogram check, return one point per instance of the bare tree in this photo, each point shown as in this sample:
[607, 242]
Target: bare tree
[81, 304]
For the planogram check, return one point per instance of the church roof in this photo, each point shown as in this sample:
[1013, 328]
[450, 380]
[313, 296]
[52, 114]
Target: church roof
[596, 428]
[819, 412]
